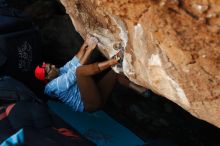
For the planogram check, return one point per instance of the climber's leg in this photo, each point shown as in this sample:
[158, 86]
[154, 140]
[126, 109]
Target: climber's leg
[89, 90]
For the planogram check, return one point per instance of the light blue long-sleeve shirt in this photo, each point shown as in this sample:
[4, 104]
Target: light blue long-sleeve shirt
[65, 88]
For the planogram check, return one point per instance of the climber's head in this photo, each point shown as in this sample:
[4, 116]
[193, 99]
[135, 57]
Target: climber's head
[46, 72]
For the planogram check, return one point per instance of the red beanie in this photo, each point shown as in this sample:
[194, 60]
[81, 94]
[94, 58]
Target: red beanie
[40, 72]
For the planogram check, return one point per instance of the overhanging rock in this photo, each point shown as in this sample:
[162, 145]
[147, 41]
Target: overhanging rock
[169, 46]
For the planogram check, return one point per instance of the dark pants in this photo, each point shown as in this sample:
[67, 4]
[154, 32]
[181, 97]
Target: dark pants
[94, 95]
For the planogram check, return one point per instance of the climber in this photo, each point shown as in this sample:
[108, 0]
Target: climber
[73, 83]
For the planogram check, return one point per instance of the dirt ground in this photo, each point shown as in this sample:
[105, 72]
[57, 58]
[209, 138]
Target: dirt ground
[155, 118]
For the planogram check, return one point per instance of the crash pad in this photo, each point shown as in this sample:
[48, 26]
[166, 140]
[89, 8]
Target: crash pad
[99, 127]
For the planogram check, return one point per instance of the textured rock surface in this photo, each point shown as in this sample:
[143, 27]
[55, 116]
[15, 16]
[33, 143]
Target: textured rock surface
[170, 46]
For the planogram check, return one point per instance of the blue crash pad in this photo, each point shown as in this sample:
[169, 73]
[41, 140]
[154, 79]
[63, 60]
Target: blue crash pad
[98, 127]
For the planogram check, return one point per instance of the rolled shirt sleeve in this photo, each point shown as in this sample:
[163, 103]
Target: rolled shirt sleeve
[73, 62]
[65, 88]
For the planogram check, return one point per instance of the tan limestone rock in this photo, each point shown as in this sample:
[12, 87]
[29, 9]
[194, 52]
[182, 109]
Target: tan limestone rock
[170, 46]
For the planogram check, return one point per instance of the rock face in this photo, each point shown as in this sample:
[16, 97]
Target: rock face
[169, 46]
